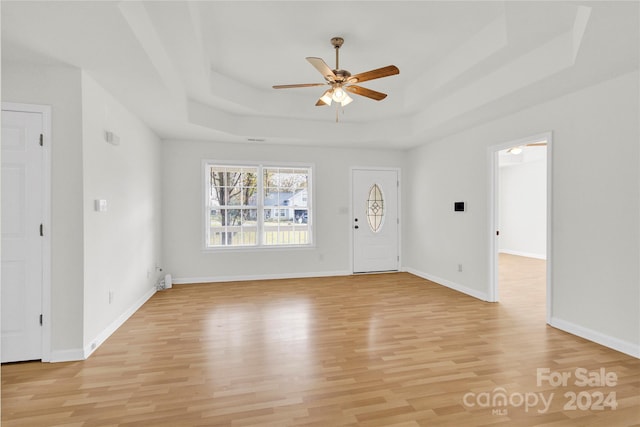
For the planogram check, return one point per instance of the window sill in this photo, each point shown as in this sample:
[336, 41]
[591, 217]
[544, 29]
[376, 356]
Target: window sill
[279, 248]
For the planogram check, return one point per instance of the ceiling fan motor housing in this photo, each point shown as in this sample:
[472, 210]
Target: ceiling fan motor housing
[341, 75]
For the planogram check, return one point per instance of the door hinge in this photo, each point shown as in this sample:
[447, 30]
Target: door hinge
[41, 230]
[41, 140]
[398, 258]
[41, 320]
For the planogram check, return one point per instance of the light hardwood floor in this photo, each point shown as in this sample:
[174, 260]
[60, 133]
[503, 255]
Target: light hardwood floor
[369, 350]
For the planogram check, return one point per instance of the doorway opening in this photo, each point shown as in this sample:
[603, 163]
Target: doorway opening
[521, 223]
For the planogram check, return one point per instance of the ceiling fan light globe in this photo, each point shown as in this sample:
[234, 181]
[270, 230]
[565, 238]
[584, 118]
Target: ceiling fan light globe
[338, 94]
[346, 101]
[326, 98]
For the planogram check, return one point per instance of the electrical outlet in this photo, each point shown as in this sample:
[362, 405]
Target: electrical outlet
[459, 267]
[110, 296]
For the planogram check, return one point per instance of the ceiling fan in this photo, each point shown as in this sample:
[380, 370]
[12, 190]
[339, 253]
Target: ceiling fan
[341, 81]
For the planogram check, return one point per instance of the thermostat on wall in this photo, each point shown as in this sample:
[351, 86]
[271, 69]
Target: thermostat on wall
[458, 206]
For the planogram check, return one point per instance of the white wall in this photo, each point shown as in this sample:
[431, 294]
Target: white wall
[122, 246]
[91, 252]
[596, 205]
[59, 87]
[523, 208]
[183, 211]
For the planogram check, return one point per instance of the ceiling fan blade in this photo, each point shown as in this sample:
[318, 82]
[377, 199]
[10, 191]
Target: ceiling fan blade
[322, 66]
[298, 85]
[363, 91]
[389, 70]
[536, 144]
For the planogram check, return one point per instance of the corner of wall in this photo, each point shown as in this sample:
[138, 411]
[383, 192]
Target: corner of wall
[449, 284]
[109, 330]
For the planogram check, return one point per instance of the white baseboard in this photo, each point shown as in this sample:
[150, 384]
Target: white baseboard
[449, 284]
[524, 254]
[195, 280]
[72, 355]
[106, 333]
[614, 343]
[625, 347]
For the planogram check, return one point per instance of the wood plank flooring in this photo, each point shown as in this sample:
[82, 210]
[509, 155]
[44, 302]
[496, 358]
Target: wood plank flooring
[369, 350]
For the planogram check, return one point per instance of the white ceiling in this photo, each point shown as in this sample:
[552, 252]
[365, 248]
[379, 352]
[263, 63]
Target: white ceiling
[204, 69]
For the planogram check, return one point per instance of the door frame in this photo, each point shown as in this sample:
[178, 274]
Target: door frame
[45, 111]
[493, 162]
[351, 211]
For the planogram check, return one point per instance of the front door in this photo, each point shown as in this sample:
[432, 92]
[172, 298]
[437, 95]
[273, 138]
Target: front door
[22, 244]
[375, 221]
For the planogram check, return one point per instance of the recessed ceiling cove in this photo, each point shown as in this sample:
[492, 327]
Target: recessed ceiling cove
[206, 69]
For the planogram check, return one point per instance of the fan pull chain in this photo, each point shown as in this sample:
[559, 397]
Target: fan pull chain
[337, 112]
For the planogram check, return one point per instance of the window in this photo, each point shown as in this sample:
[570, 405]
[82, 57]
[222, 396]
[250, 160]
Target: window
[375, 208]
[257, 206]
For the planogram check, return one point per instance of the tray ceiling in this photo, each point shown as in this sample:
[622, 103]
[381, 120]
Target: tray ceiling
[204, 69]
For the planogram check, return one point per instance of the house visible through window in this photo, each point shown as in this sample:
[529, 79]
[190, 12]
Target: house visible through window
[260, 206]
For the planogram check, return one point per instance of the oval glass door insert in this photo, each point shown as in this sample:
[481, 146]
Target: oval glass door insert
[375, 208]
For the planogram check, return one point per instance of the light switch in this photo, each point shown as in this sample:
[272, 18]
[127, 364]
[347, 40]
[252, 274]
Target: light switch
[100, 205]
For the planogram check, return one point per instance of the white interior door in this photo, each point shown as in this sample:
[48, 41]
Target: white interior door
[375, 221]
[22, 244]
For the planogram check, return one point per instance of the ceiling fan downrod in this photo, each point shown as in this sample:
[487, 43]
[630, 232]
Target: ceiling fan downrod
[337, 43]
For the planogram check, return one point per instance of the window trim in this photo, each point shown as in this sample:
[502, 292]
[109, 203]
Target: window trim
[204, 224]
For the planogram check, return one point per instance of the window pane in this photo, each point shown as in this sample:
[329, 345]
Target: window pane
[249, 196]
[249, 236]
[216, 177]
[270, 236]
[300, 198]
[301, 234]
[216, 217]
[375, 208]
[270, 197]
[249, 187]
[234, 216]
[215, 238]
[233, 196]
[301, 216]
[250, 217]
